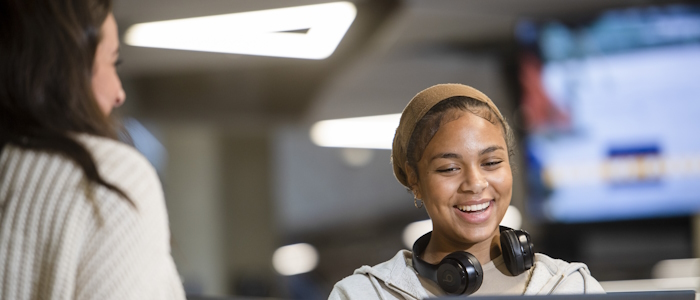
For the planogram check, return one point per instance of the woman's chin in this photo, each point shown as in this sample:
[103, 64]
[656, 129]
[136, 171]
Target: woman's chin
[478, 233]
[476, 238]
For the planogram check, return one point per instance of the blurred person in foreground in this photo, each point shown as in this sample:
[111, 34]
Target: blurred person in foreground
[82, 215]
[453, 150]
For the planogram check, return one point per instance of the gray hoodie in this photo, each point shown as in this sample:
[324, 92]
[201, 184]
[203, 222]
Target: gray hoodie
[396, 279]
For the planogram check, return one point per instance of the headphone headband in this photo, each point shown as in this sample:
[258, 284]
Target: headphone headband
[424, 268]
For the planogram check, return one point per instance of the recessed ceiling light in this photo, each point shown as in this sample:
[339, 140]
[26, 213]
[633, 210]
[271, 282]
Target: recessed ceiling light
[309, 32]
[295, 259]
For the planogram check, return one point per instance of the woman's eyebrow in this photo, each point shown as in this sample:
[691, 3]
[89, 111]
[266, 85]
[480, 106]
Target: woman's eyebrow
[446, 155]
[490, 149]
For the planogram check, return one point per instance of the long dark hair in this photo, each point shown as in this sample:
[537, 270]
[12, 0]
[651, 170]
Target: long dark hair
[47, 50]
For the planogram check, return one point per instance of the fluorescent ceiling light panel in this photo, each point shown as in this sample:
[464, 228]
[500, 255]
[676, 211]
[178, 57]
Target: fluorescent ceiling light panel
[375, 132]
[265, 32]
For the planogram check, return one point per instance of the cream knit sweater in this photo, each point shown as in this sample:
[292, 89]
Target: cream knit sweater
[63, 238]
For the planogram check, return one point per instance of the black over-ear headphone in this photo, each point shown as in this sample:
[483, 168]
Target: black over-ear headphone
[460, 272]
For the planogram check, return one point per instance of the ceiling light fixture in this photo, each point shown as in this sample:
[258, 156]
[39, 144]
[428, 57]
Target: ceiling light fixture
[375, 132]
[308, 32]
[295, 259]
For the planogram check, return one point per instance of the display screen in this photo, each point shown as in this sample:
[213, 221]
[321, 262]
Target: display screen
[611, 109]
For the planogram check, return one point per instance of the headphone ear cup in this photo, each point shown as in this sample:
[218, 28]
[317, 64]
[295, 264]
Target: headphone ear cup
[460, 273]
[517, 250]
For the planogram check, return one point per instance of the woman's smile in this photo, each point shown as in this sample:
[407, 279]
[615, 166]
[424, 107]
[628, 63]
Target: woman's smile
[474, 208]
[475, 213]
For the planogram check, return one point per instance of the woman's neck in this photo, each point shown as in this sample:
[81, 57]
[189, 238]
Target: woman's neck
[439, 247]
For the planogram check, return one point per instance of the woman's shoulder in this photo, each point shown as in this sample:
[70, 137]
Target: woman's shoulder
[138, 235]
[558, 266]
[364, 286]
[355, 281]
[107, 152]
[552, 265]
[392, 279]
[382, 271]
[121, 164]
[60, 173]
[124, 167]
[553, 275]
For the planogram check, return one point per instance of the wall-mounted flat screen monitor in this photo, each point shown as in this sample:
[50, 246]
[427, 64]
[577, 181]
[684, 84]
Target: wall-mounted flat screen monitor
[611, 114]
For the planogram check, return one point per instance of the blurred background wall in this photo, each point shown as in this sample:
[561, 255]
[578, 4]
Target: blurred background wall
[229, 135]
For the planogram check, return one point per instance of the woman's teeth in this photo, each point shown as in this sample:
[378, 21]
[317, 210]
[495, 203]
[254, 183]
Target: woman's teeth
[474, 208]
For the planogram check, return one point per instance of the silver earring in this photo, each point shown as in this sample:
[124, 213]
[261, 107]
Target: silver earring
[416, 201]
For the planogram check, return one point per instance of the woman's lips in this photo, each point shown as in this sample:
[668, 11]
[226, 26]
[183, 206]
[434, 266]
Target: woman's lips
[474, 207]
[475, 213]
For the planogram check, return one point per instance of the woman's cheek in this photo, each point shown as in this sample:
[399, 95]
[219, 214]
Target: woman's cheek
[502, 175]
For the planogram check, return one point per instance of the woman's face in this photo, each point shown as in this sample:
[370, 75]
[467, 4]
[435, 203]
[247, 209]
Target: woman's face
[105, 82]
[465, 179]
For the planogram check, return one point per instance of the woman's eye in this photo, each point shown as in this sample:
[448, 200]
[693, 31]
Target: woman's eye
[492, 163]
[445, 170]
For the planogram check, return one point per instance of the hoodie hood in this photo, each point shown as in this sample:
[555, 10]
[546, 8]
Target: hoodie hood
[397, 275]
[396, 278]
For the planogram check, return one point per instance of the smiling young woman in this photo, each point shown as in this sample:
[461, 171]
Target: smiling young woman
[453, 150]
[464, 166]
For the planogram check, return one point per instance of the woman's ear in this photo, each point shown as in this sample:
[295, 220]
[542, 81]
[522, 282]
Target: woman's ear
[412, 178]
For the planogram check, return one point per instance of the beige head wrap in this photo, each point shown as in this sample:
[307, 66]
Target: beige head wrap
[417, 108]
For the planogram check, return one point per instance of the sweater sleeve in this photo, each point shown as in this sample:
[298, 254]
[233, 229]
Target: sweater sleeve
[127, 254]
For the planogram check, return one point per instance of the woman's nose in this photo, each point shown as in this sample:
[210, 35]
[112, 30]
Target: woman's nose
[474, 182]
[121, 98]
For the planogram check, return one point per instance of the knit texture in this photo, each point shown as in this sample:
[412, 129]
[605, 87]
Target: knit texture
[62, 237]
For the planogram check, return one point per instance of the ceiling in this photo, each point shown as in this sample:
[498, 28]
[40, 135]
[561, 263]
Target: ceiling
[420, 21]
[213, 86]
